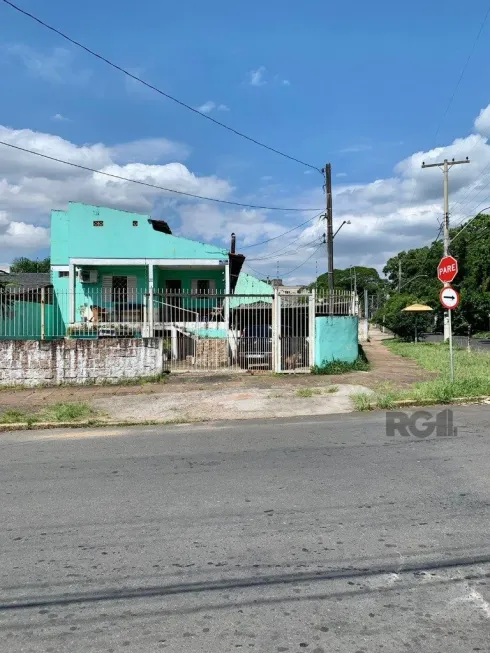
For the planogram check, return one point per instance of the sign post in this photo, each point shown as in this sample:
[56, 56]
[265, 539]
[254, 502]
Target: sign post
[446, 271]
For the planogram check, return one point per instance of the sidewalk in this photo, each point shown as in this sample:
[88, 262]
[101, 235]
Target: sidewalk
[215, 396]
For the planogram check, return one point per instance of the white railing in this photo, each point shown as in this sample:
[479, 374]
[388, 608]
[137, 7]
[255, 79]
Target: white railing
[198, 331]
[337, 302]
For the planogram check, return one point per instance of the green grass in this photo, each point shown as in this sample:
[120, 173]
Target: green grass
[362, 401]
[14, 417]
[68, 412]
[308, 392]
[472, 377]
[61, 412]
[332, 388]
[341, 367]
[481, 334]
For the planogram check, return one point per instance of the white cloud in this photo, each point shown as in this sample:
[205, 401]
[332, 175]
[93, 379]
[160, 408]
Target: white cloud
[256, 77]
[286, 82]
[341, 174]
[393, 213]
[400, 211]
[209, 106]
[60, 118]
[482, 123]
[354, 149]
[22, 236]
[55, 66]
[149, 150]
[31, 186]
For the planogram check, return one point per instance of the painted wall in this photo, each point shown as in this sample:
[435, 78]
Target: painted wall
[336, 338]
[94, 294]
[73, 235]
[250, 285]
[20, 320]
[33, 363]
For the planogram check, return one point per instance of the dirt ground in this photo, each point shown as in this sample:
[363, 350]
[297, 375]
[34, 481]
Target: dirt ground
[385, 367]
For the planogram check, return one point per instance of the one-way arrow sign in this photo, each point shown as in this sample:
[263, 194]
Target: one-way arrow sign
[449, 298]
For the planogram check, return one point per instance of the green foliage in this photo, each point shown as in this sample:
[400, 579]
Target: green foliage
[362, 401]
[68, 412]
[341, 367]
[344, 280]
[403, 324]
[24, 264]
[13, 417]
[471, 248]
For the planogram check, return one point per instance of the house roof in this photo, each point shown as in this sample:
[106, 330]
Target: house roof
[28, 280]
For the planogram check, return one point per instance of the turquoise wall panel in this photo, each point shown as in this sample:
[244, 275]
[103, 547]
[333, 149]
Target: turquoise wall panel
[122, 234]
[336, 339]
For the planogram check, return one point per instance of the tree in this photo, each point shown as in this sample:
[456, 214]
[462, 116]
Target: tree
[471, 247]
[402, 324]
[365, 278]
[23, 264]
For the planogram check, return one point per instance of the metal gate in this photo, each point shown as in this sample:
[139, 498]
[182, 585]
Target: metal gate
[294, 332]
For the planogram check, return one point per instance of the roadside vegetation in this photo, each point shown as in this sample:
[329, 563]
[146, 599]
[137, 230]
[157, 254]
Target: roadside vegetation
[341, 367]
[61, 412]
[471, 370]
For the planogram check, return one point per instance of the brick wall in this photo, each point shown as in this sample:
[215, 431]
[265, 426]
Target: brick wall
[30, 362]
[211, 353]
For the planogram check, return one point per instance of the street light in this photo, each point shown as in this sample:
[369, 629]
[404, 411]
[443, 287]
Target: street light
[344, 222]
[417, 276]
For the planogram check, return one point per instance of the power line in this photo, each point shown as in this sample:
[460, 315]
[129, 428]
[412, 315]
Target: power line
[144, 183]
[260, 274]
[467, 224]
[154, 88]
[462, 71]
[286, 253]
[304, 262]
[285, 233]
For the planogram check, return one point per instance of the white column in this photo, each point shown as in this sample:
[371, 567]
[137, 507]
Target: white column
[226, 305]
[311, 327]
[276, 332]
[151, 312]
[71, 293]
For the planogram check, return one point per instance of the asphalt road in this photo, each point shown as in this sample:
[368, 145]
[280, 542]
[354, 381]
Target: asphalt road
[317, 535]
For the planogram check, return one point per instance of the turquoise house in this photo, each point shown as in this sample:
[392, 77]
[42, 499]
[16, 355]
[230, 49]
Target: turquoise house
[112, 266]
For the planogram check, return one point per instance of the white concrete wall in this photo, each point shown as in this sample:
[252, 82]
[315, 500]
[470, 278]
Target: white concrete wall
[363, 329]
[30, 362]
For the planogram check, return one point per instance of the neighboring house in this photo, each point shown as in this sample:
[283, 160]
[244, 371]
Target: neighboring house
[286, 290]
[26, 280]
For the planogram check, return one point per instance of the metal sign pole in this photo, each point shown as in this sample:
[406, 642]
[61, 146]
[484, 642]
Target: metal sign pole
[451, 357]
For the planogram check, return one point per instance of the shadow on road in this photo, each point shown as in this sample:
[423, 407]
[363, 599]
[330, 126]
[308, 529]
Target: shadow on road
[245, 583]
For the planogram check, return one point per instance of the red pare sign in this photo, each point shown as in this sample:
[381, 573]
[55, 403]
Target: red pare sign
[447, 269]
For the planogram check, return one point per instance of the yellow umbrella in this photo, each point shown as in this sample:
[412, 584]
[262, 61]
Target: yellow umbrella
[417, 308]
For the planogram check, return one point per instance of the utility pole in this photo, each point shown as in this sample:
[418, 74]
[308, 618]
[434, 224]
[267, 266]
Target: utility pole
[329, 219]
[446, 166]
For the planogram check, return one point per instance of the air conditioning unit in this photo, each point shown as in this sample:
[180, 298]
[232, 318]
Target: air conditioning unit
[88, 276]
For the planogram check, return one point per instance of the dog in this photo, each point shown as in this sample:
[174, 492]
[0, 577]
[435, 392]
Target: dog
[291, 361]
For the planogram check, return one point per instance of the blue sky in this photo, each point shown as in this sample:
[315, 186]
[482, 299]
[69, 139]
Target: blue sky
[363, 85]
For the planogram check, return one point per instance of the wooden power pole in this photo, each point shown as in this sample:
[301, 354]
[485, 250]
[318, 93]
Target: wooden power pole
[329, 223]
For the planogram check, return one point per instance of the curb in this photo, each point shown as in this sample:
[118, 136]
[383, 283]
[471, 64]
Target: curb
[430, 402]
[93, 423]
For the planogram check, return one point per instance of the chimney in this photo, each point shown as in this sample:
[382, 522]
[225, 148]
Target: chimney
[233, 244]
